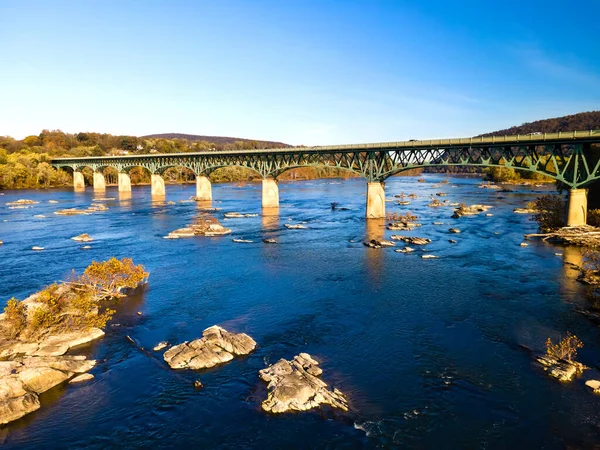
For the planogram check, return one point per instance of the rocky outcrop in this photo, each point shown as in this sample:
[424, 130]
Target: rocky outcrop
[292, 226]
[435, 203]
[560, 369]
[160, 346]
[594, 385]
[402, 226]
[24, 378]
[50, 345]
[374, 243]
[524, 211]
[237, 215]
[464, 210]
[199, 229]
[216, 346]
[295, 386]
[77, 212]
[83, 238]
[410, 239]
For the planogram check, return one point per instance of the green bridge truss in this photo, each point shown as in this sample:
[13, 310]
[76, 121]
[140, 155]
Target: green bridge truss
[570, 157]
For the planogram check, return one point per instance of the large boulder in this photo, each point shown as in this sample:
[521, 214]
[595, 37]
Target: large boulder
[216, 346]
[41, 379]
[15, 408]
[23, 378]
[294, 386]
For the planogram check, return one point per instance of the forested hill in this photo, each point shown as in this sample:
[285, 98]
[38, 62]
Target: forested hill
[576, 122]
[218, 140]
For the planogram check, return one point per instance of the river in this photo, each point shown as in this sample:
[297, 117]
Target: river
[427, 350]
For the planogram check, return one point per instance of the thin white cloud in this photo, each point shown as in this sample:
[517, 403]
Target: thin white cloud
[568, 69]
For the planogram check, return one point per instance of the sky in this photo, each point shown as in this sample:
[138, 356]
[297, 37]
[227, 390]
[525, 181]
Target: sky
[312, 72]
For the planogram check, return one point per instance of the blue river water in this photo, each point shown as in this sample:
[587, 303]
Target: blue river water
[427, 350]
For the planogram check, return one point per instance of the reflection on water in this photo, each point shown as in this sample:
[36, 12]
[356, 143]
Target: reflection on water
[270, 219]
[124, 196]
[375, 229]
[204, 204]
[426, 349]
[158, 200]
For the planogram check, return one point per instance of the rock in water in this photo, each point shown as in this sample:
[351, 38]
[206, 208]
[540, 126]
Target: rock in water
[83, 238]
[23, 378]
[216, 346]
[158, 347]
[294, 386]
[560, 369]
[81, 378]
[594, 385]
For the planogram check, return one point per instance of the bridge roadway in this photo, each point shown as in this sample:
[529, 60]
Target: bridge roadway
[569, 157]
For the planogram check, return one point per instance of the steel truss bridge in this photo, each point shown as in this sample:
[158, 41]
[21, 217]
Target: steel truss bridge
[569, 157]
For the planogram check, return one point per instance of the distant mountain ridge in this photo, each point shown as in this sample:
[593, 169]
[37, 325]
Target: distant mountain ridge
[576, 122]
[219, 140]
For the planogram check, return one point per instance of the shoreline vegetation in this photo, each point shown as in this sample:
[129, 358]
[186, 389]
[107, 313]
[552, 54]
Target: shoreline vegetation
[37, 333]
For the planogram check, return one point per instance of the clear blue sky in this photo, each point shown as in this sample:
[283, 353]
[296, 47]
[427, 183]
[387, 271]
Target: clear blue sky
[297, 71]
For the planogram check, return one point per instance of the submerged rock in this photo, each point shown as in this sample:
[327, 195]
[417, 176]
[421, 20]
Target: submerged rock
[37, 248]
[243, 241]
[292, 226]
[270, 241]
[216, 346]
[404, 250]
[428, 256]
[524, 211]
[294, 386]
[22, 202]
[454, 230]
[234, 215]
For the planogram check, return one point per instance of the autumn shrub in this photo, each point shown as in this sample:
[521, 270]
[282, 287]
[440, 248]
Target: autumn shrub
[75, 305]
[15, 318]
[109, 278]
[550, 212]
[565, 349]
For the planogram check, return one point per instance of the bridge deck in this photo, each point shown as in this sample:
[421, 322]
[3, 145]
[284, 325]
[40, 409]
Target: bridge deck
[564, 137]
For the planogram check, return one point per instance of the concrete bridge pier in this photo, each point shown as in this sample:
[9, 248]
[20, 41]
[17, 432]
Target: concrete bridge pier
[99, 182]
[375, 200]
[270, 193]
[577, 207]
[78, 181]
[124, 182]
[203, 189]
[157, 183]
